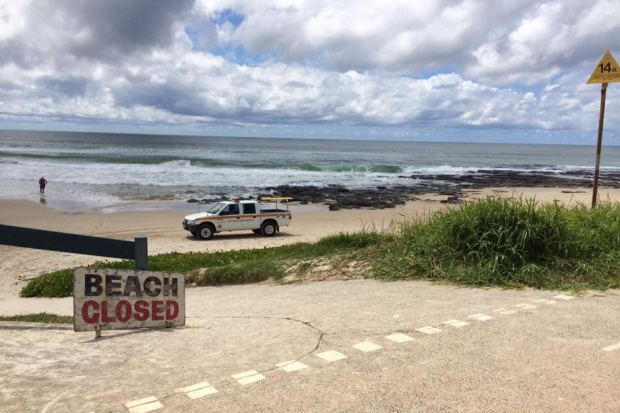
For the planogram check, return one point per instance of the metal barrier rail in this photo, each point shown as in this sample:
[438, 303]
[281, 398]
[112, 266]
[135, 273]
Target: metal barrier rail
[78, 244]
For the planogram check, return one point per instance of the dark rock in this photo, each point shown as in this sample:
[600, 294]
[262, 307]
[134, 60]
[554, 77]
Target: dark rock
[452, 200]
[450, 185]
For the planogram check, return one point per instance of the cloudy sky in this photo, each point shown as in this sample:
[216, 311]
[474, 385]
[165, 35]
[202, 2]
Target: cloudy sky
[472, 70]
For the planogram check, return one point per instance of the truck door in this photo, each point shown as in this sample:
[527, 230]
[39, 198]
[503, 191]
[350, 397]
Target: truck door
[230, 218]
[250, 218]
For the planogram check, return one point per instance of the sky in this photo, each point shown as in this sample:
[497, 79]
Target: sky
[470, 70]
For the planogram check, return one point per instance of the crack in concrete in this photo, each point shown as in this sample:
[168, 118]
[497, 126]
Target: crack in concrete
[306, 323]
[319, 340]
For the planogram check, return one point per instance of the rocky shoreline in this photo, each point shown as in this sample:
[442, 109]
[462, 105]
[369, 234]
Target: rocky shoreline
[450, 185]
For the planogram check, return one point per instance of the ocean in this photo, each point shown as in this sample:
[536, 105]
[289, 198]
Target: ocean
[100, 169]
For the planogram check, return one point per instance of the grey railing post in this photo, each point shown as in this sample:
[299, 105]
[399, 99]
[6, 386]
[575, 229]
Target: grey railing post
[141, 246]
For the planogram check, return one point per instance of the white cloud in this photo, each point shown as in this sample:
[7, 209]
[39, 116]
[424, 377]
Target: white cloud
[500, 42]
[437, 63]
[199, 87]
[551, 39]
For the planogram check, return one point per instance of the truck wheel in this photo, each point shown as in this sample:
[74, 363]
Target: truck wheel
[268, 229]
[206, 231]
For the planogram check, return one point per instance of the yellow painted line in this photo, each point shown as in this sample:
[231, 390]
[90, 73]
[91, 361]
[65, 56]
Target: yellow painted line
[140, 401]
[428, 330]
[198, 390]
[244, 374]
[251, 379]
[456, 323]
[331, 356]
[148, 404]
[366, 346]
[205, 391]
[192, 387]
[247, 377]
[291, 366]
[480, 317]
[399, 338]
[613, 347]
[508, 312]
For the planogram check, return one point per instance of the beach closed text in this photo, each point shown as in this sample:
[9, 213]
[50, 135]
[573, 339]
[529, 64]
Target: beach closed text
[118, 299]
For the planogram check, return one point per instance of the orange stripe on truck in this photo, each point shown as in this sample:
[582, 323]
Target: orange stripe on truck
[219, 218]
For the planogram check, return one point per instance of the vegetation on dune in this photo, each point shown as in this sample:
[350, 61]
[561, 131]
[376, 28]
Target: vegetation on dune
[217, 268]
[53, 284]
[39, 318]
[488, 242]
[511, 243]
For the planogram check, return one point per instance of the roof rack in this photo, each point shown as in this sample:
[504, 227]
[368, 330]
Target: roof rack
[275, 198]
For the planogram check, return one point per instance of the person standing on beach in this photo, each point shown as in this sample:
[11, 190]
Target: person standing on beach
[42, 183]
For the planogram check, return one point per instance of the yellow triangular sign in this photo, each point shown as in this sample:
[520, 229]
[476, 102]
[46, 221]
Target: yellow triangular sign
[606, 71]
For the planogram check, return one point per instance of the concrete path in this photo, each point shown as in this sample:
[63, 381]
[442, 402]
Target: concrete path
[331, 346]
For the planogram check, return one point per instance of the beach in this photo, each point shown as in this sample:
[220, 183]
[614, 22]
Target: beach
[124, 185]
[161, 223]
[165, 234]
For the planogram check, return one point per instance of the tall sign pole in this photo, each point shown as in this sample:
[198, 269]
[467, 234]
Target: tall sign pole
[599, 143]
[605, 72]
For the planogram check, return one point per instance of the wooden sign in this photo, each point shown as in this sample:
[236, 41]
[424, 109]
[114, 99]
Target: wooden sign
[108, 299]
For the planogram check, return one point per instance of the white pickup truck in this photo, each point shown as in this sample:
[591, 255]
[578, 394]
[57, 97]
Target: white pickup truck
[238, 215]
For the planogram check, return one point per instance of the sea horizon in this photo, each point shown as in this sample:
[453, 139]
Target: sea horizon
[370, 138]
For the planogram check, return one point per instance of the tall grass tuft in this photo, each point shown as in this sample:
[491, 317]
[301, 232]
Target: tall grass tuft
[509, 242]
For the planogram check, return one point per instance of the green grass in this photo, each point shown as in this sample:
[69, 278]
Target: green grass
[216, 268]
[243, 272]
[39, 318]
[510, 243]
[488, 242]
[52, 284]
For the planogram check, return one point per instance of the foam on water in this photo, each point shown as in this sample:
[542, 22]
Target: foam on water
[104, 168]
[180, 172]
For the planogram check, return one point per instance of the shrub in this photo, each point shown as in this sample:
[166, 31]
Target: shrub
[54, 284]
[509, 242]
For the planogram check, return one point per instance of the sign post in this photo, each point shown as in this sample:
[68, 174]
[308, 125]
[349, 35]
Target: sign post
[605, 72]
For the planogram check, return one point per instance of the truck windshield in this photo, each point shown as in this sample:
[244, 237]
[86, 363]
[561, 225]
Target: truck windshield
[215, 208]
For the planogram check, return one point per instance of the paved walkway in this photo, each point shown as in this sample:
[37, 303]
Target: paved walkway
[331, 346]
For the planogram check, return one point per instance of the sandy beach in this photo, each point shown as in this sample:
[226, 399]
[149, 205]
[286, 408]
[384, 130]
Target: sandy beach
[162, 226]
